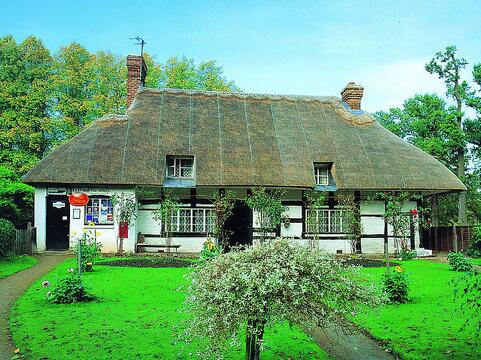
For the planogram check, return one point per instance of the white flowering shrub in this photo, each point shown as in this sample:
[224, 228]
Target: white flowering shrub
[263, 285]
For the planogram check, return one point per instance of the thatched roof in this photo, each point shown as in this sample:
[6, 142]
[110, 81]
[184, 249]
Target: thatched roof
[242, 140]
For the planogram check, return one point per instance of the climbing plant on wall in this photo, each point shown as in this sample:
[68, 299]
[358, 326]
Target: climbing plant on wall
[268, 208]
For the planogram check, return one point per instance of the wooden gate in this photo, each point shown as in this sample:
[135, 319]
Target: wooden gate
[24, 240]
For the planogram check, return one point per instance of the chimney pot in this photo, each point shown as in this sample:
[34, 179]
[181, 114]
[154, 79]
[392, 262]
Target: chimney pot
[136, 73]
[352, 95]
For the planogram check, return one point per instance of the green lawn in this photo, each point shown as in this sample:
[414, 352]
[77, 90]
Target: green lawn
[15, 264]
[133, 319]
[428, 327]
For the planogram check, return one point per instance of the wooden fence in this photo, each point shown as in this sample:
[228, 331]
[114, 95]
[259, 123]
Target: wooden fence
[442, 238]
[24, 240]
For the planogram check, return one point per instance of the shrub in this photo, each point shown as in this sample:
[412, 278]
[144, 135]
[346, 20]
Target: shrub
[270, 283]
[406, 253]
[396, 285]
[458, 262]
[90, 250]
[7, 236]
[69, 289]
[209, 251]
[475, 247]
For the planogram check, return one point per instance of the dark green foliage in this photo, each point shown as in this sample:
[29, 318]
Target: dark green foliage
[90, 250]
[69, 289]
[209, 251]
[475, 247]
[396, 285]
[406, 253]
[459, 262]
[7, 237]
[16, 199]
[468, 290]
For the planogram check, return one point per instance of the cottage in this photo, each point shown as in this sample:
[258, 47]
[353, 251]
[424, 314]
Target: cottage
[197, 143]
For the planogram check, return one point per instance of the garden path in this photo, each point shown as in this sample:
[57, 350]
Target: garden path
[13, 286]
[349, 343]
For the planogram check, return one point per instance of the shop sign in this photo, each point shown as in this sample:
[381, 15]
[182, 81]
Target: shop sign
[78, 199]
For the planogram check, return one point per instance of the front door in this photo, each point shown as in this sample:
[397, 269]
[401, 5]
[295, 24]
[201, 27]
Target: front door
[58, 222]
[239, 226]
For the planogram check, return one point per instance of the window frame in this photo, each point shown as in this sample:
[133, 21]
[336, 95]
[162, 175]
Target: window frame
[176, 225]
[99, 199]
[329, 223]
[178, 166]
[318, 176]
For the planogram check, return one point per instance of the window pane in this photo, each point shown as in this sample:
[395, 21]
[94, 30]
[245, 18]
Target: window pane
[210, 221]
[198, 220]
[184, 220]
[186, 172]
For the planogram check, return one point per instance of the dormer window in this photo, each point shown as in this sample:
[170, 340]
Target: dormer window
[180, 167]
[321, 174]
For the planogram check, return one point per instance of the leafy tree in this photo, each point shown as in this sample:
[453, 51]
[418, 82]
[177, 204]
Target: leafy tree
[185, 74]
[353, 219]
[223, 206]
[268, 208]
[395, 216]
[164, 214]
[448, 67]
[315, 200]
[265, 285]
[425, 121]
[25, 122]
[125, 212]
[16, 199]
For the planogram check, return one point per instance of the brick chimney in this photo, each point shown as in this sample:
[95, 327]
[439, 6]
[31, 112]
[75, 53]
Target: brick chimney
[136, 73]
[352, 95]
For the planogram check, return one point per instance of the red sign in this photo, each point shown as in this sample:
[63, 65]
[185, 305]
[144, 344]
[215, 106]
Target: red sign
[124, 230]
[78, 199]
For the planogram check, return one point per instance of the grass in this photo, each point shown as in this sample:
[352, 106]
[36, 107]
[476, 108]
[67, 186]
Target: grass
[133, 319]
[429, 326]
[9, 266]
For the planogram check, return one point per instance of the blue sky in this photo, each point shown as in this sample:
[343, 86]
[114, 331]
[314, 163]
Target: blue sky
[287, 47]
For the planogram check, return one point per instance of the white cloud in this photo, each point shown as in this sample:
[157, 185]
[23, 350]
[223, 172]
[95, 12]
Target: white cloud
[388, 85]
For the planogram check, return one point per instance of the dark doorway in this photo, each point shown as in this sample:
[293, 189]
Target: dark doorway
[58, 221]
[239, 226]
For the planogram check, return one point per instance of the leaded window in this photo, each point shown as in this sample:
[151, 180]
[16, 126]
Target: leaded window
[180, 167]
[321, 173]
[326, 221]
[192, 220]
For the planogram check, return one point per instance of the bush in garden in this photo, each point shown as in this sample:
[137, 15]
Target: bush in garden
[267, 284]
[396, 286]
[475, 247]
[7, 237]
[209, 251]
[406, 253]
[69, 289]
[458, 262]
[90, 250]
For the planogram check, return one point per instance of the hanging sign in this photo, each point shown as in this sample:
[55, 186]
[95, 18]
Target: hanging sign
[124, 230]
[77, 199]
[58, 204]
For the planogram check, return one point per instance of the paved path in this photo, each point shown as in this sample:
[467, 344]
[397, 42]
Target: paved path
[12, 287]
[349, 345]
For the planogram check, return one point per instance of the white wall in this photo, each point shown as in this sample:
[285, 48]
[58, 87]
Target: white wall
[40, 216]
[106, 234]
[371, 217]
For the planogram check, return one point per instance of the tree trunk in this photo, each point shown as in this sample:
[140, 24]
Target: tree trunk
[461, 168]
[254, 335]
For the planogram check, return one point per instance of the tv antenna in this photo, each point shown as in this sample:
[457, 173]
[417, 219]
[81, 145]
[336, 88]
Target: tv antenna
[140, 42]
